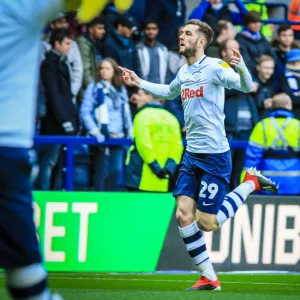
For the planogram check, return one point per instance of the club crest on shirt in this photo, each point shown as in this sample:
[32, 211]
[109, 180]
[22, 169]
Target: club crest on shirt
[223, 64]
[196, 76]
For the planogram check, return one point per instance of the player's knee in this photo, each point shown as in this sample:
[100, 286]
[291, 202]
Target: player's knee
[184, 217]
[206, 225]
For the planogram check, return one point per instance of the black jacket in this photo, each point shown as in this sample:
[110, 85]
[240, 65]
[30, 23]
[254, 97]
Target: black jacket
[55, 76]
[251, 49]
[123, 51]
[232, 102]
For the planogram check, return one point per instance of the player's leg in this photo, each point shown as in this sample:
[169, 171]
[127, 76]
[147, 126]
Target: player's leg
[253, 182]
[186, 192]
[19, 249]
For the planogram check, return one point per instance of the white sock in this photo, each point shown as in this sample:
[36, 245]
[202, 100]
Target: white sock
[233, 201]
[195, 244]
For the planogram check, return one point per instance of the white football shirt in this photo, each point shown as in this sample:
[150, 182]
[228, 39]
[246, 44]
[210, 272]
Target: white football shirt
[201, 86]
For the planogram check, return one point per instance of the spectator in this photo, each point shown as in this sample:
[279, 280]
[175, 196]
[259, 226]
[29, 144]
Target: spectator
[253, 44]
[153, 159]
[291, 81]
[74, 59]
[91, 49]
[266, 84]
[170, 16]
[267, 29]
[119, 45]
[212, 11]
[241, 116]
[283, 43]
[106, 102]
[153, 56]
[294, 15]
[61, 116]
[224, 31]
[274, 146]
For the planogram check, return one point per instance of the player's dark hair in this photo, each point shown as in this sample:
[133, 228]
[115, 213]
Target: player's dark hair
[58, 35]
[283, 27]
[204, 28]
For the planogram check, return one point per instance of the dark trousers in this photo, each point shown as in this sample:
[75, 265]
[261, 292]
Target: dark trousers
[108, 165]
[238, 157]
[48, 156]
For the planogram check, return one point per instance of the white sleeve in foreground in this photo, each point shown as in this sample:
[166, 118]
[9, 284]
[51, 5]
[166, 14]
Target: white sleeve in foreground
[229, 79]
[164, 91]
[44, 11]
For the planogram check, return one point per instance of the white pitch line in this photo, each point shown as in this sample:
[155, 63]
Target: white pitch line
[166, 280]
[169, 280]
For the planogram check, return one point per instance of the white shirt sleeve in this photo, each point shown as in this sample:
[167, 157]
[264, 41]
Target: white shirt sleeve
[163, 91]
[225, 76]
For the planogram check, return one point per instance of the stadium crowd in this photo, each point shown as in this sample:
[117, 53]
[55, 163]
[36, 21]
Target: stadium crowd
[81, 92]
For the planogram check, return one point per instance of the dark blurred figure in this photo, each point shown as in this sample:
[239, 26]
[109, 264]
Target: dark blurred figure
[253, 44]
[266, 84]
[153, 55]
[170, 16]
[61, 116]
[212, 11]
[224, 31]
[120, 46]
[91, 49]
[283, 43]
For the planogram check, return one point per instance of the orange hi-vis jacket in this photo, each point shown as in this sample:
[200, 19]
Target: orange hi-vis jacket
[294, 13]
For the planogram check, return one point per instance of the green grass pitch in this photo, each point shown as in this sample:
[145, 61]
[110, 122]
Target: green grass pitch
[88, 286]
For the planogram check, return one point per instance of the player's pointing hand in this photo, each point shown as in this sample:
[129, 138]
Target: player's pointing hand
[235, 58]
[129, 77]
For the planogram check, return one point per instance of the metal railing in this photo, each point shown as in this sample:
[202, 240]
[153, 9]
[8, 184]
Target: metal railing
[69, 144]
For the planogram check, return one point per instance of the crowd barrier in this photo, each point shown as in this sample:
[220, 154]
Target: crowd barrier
[70, 143]
[137, 232]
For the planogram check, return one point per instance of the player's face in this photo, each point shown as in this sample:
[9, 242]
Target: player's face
[64, 47]
[266, 69]
[106, 71]
[151, 31]
[286, 38]
[190, 40]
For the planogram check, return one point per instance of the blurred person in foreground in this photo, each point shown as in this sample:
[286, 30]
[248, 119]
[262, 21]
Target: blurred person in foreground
[274, 146]
[201, 191]
[21, 25]
[157, 149]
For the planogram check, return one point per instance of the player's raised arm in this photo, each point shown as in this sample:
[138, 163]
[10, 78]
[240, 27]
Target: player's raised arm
[229, 79]
[164, 91]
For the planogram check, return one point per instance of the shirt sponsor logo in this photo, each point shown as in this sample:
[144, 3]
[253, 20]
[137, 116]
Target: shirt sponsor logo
[190, 94]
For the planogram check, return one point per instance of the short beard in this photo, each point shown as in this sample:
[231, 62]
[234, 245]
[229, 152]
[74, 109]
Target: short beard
[187, 53]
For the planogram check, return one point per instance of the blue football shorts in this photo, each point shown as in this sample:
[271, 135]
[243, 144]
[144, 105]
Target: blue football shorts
[205, 178]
